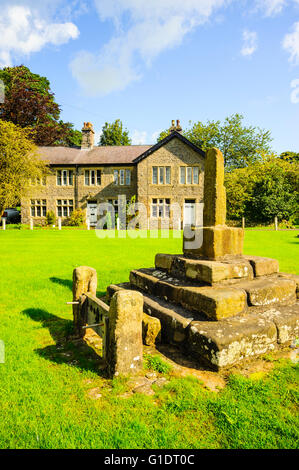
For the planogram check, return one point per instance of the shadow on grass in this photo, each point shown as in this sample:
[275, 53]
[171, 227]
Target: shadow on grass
[67, 350]
[68, 283]
[62, 282]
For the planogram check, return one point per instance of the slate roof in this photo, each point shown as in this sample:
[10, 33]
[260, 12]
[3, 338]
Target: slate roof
[110, 155]
[122, 155]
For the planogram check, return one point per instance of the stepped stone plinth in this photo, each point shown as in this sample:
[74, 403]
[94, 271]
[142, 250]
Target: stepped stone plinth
[216, 303]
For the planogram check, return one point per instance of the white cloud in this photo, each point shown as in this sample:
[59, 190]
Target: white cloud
[23, 30]
[295, 92]
[271, 7]
[250, 43]
[143, 30]
[291, 44]
[155, 135]
[139, 137]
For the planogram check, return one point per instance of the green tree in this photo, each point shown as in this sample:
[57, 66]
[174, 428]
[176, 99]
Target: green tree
[264, 190]
[30, 103]
[114, 134]
[290, 156]
[19, 161]
[240, 145]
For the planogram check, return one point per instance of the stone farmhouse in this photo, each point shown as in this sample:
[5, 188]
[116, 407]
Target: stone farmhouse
[171, 171]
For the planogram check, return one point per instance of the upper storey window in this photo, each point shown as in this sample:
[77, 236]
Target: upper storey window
[122, 177]
[65, 177]
[92, 177]
[161, 175]
[38, 181]
[189, 175]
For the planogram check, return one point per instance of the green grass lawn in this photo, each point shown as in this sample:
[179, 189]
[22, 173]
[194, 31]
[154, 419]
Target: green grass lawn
[44, 400]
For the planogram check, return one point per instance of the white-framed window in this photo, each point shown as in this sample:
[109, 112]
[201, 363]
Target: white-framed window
[128, 177]
[155, 175]
[65, 207]
[65, 177]
[161, 208]
[38, 207]
[161, 175]
[122, 177]
[38, 181]
[189, 175]
[92, 177]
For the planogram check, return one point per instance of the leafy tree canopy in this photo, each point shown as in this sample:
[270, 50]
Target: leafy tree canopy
[264, 190]
[29, 103]
[114, 134]
[290, 156]
[19, 162]
[240, 145]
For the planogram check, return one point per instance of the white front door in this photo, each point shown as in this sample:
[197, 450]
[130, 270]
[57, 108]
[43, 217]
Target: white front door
[189, 212]
[92, 210]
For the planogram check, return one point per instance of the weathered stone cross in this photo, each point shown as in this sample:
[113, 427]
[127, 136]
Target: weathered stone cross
[218, 240]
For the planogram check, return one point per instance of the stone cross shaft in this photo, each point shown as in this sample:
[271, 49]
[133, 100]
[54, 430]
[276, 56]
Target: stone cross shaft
[214, 191]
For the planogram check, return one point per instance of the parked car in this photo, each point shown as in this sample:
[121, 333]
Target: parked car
[12, 216]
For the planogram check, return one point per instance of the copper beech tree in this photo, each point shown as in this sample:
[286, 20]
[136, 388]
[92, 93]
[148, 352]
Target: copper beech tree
[30, 103]
[19, 163]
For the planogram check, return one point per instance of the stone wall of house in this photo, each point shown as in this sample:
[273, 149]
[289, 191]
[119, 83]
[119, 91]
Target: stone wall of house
[174, 154]
[78, 192]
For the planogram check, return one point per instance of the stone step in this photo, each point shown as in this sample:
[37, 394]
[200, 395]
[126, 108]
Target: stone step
[226, 342]
[214, 302]
[174, 319]
[265, 291]
[230, 341]
[208, 272]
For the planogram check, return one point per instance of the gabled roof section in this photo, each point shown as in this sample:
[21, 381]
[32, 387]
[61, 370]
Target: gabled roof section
[110, 155]
[167, 139]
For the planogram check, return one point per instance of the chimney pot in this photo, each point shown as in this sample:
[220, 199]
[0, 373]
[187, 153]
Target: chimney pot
[87, 136]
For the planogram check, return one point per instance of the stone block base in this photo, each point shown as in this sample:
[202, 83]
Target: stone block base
[208, 272]
[225, 343]
[269, 291]
[263, 266]
[214, 243]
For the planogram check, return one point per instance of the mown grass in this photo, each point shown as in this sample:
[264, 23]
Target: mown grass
[45, 381]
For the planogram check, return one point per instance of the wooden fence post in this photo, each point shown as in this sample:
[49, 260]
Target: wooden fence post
[276, 223]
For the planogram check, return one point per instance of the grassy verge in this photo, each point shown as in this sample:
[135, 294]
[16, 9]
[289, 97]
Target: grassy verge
[47, 384]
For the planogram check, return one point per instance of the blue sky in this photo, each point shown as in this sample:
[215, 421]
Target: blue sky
[150, 61]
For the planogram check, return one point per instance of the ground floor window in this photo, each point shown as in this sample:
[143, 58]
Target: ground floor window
[65, 207]
[161, 208]
[38, 208]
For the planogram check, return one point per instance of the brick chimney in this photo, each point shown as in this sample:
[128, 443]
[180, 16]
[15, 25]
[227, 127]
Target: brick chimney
[87, 136]
[175, 128]
[172, 128]
[178, 126]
